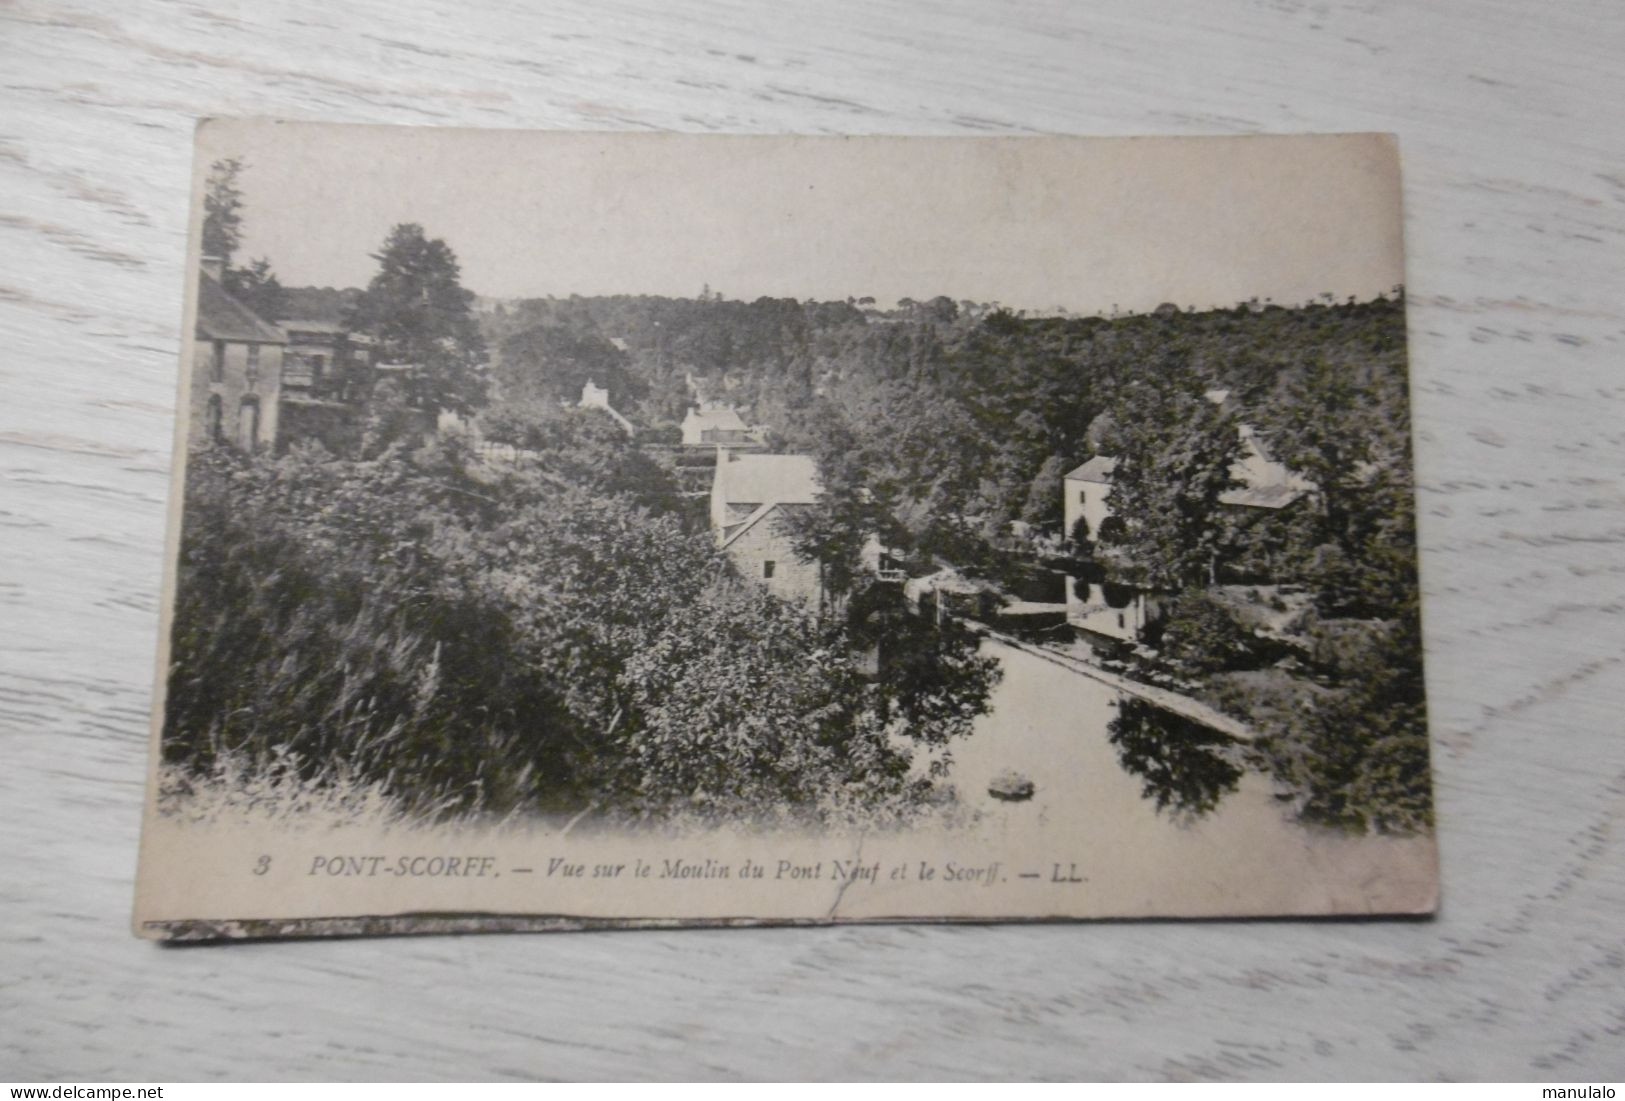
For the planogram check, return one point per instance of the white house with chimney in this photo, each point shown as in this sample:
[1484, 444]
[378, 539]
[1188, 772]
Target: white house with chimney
[596, 397]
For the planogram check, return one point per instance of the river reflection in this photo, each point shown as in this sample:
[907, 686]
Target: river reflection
[1179, 763]
[1098, 758]
[1154, 818]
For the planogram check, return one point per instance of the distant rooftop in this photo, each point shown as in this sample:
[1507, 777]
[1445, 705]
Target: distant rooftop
[1265, 483]
[714, 416]
[1275, 495]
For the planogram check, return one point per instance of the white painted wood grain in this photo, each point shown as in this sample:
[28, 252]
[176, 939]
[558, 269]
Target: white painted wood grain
[1513, 136]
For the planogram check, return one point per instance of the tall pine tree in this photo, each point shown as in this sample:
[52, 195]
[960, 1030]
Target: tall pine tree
[222, 210]
[418, 310]
[256, 285]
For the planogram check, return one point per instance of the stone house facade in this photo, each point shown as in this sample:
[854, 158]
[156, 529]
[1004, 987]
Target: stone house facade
[751, 497]
[236, 370]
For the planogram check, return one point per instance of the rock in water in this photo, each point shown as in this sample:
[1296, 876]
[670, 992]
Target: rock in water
[1012, 787]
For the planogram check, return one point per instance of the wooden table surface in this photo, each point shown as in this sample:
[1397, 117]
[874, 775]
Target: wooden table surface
[1513, 135]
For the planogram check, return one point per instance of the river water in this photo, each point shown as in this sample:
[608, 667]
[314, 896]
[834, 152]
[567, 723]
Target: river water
[1246, 856]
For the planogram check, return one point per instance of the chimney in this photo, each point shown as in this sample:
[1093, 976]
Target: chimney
[215, 266]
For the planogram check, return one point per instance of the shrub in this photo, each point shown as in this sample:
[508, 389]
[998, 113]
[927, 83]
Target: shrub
[464, 641]
[1202, 635]
[1356, 753]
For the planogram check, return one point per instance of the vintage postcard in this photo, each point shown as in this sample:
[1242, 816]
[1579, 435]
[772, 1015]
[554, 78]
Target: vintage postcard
[581, 529]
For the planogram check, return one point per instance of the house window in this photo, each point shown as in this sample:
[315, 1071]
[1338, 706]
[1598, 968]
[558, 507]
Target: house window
[253, 364]
[215, 422]
[767, 569]
[1083, 496]
[1120, 624]
[248, 424]
[217, 361]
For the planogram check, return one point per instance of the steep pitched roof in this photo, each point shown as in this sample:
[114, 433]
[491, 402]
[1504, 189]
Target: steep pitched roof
[768, 479]
[747, 523]
[1097, 469]
[220, 316]
[1266, 483]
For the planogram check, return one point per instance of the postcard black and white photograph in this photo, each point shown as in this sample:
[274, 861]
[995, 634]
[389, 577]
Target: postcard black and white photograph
[904, 541]
[656, 528]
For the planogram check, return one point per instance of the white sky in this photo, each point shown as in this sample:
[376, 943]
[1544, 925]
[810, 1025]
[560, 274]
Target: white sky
[1034, 223]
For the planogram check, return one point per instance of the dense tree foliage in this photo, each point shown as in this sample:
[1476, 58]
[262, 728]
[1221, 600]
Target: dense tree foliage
[1202, 635]
[937, 423]
[582, 448]
[963, 416]
[417, 309]
[542, 636]
[553, 363]
[1174, 450]
[320, 303]
[1351, 745]
[258, 287]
